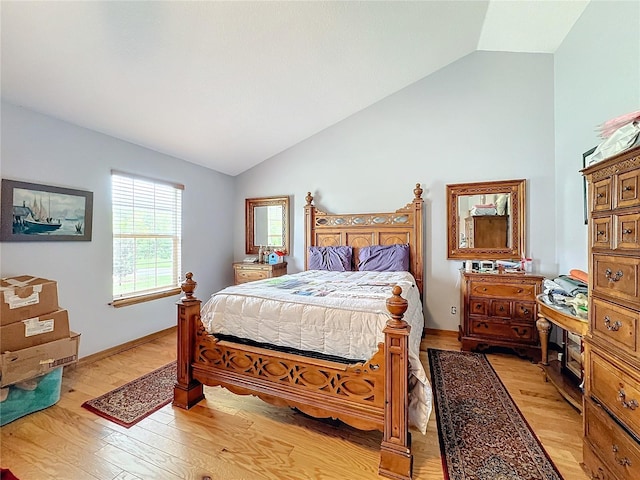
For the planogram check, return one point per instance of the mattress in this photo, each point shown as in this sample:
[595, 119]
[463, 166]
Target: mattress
[333, 313]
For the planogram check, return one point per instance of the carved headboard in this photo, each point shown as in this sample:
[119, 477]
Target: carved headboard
[364, 229]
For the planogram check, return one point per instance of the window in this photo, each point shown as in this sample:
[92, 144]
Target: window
[146, 238]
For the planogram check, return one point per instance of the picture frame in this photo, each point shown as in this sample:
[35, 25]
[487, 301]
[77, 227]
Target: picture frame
[585, 161]
[33, 212]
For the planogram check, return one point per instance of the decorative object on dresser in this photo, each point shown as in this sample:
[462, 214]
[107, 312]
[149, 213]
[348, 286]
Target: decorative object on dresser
[499, 310]
[248, 272]
[566, 374]
[612, 354]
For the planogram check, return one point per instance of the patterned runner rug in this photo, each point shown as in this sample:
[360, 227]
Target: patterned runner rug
[130, 403]
[483, 435]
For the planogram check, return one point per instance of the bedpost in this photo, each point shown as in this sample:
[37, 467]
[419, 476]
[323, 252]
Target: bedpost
[396, 459]
[309, 221]
[187, 391]
[417, 258]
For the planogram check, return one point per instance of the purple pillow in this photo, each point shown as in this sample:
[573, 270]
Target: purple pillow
[330, 258]
[384, 258]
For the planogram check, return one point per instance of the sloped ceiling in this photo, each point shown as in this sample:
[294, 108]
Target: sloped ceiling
[229, 84]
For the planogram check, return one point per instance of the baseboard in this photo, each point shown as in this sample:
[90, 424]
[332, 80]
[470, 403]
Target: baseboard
[441, 333]
[125, 346]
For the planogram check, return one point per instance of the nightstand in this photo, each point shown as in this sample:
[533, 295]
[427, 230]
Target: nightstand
[248, 272]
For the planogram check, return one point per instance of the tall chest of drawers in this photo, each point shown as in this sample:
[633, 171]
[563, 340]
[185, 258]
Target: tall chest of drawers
[612, 350]
[500, 310]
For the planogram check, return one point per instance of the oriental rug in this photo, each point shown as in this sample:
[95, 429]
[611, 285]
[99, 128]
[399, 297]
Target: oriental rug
[483, 435]
[130, 403]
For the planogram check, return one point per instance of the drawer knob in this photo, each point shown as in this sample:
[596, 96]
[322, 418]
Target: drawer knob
[611, 276]
[627, 230]
[525, 311]
[521, 332]
[501, 308]
[600, 233]
[600, 195]
[627, 188]
[613, 327]
[631, 404]
[625, 462]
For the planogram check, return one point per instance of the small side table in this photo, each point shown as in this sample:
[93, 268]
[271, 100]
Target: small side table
[562, 317]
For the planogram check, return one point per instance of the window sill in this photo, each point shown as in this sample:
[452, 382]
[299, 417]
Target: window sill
[123, 302]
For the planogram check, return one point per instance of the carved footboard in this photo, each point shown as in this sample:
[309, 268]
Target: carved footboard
[369, 396]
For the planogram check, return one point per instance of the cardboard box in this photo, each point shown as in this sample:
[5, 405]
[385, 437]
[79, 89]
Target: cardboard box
[31, 362]
[34, 331]
[25, 297]
[21, 402]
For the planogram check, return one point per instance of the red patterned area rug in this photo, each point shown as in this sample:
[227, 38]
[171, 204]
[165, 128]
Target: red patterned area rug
[130, 403]
[483, 435]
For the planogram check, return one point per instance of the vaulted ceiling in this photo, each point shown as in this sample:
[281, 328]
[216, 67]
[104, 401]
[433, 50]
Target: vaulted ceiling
[229, 84]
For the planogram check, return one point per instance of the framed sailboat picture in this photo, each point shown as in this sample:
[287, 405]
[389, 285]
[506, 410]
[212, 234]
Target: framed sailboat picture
[31, 212]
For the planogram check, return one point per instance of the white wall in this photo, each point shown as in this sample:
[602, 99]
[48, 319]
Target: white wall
[488, 116]
[41, 149]
[597, 77]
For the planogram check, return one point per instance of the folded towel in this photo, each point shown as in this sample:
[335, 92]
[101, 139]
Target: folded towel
[571, 286]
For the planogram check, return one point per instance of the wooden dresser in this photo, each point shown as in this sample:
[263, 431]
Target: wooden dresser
[248, 272]
[487, 231]
[612, 353]
[499, 310]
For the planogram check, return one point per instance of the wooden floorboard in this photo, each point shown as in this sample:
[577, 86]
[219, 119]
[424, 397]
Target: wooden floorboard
[231, 437]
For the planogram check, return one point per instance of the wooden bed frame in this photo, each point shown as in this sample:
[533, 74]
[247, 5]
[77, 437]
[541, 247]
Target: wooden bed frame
[369, 396]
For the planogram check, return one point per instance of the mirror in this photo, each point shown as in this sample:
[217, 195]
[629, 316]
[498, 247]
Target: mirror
[486, 220]
[267, 223]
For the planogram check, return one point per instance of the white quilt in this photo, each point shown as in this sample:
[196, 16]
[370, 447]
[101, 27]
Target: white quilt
[334, 313]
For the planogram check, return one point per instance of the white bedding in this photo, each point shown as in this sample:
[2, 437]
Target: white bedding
[334, 313]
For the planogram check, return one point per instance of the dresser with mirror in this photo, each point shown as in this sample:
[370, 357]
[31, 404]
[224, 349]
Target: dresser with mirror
[486, 221]
[266, 229]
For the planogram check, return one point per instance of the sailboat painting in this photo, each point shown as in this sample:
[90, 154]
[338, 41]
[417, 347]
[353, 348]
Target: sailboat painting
[34, 212]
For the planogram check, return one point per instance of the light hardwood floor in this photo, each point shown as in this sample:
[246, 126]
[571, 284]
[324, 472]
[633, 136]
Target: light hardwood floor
[238, 437]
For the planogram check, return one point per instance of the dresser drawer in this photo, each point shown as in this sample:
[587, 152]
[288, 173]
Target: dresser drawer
[243, 276]
[627, 189]
[601, 192]
[479, 306]
[617, 450]
[504, 329]
[500, 308]
[616, 324]
[627, 235]
[617, 391]
[503, 290]
[524, 311]
[601, 233]
[617, 277]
